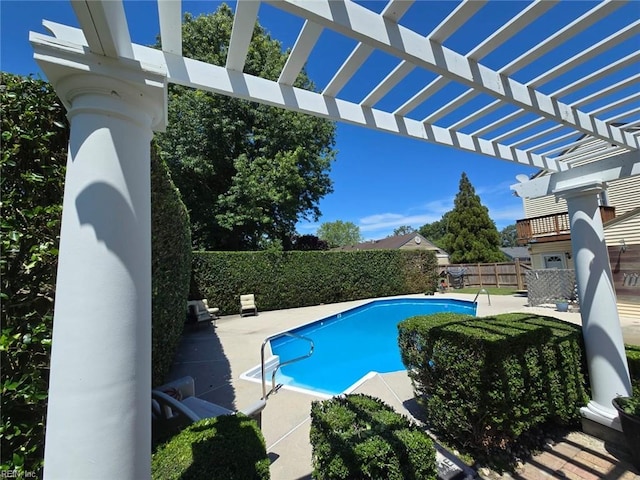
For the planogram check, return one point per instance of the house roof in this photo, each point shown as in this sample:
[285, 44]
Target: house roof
[392, 243]
[516, 252]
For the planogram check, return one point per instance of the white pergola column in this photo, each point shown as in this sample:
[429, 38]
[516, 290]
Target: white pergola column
[98, 418]
[606, 359]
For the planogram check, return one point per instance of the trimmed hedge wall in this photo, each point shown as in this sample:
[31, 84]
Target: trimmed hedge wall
[485, 383]
[358, 436]
[633, 359]
[229, 447]
[35, 137]
[170, 267]
[297, 279]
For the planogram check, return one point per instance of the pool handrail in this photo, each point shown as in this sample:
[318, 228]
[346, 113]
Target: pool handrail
[265, 395]
[482, 290]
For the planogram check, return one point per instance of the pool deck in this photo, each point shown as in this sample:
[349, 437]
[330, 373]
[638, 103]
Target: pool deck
[217, 357]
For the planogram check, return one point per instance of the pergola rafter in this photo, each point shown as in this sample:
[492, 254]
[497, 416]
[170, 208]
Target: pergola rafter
[106, 33]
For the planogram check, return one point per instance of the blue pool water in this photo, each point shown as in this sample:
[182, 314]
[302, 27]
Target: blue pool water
[353, 343]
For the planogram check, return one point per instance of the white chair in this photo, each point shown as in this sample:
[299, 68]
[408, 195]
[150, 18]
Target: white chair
[200, 311]
[174, 406]
[248, 305]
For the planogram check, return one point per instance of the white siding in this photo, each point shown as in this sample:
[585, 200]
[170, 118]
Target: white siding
[627, 230]
[537, 207]
[539, 250]
[624, 194]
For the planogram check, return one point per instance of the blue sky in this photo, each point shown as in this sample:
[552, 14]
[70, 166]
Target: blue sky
[381, 181]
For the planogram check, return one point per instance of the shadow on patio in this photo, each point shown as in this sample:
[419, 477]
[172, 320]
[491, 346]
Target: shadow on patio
[200, 355]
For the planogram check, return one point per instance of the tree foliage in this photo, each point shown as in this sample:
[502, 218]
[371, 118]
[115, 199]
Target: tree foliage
[339, 233]
[471, 234]
[308, 243]
[403, 230]
[247, 172]
[34, 148]
[436, 231]
[509, 236]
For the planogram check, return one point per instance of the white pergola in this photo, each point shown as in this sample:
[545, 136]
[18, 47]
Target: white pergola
[115, 91]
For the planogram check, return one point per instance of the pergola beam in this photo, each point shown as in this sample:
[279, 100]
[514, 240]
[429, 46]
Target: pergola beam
[525, 17]
[305, 42]
[105, 27]
[351, 65]
[357, 22]
[630, 59]
[397, 74]
[632, 80]
[578, 25]
[591, 52]
[517, 23]
[458, 17]
[606, 170]
[394, 10]
[542, 134]
[170, 16]
[244, 21]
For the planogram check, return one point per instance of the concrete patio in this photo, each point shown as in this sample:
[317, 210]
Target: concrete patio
[216, 358]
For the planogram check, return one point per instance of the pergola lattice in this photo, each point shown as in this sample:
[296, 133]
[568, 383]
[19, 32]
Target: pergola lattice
[539, 129]
[581, 125]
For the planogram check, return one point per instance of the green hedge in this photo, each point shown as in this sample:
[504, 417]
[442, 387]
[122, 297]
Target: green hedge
[358, 436]
[170, 267]
[296, 279]
[35, 136]
[486, 383]
[633, 359]
[230, 447]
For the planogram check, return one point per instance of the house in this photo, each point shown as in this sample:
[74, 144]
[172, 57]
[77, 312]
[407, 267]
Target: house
[408, 241]
[545, 230]
[517, 253]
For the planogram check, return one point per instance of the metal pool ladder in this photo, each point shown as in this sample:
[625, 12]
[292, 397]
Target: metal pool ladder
[266, 394]
[482, 290]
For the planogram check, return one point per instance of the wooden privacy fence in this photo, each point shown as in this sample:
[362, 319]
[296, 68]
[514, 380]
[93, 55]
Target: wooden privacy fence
[506, 274]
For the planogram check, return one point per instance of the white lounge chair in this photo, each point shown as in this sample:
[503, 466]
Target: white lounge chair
[174, 406]
[200, 311]
[248, 305]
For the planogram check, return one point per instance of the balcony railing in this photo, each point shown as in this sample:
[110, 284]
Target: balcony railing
[550, 228]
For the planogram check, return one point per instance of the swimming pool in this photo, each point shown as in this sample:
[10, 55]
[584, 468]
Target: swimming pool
[351, 344]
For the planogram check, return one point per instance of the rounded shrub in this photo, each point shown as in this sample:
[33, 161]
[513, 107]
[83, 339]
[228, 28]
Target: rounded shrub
[358, 436]
[229, 447]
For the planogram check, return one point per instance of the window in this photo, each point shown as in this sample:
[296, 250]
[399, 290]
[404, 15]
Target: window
[554, 260]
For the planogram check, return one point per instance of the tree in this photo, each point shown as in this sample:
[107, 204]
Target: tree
[471, 235]
[435, 232]
[308, 242]
[509, 236]
[247, 172]
[403, 230]
[339, 233]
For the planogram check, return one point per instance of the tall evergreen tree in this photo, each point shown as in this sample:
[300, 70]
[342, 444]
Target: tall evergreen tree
[472, 236]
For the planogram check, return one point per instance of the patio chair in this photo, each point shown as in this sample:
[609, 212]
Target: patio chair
[248, 305]
[199, 311]
[174, 406]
